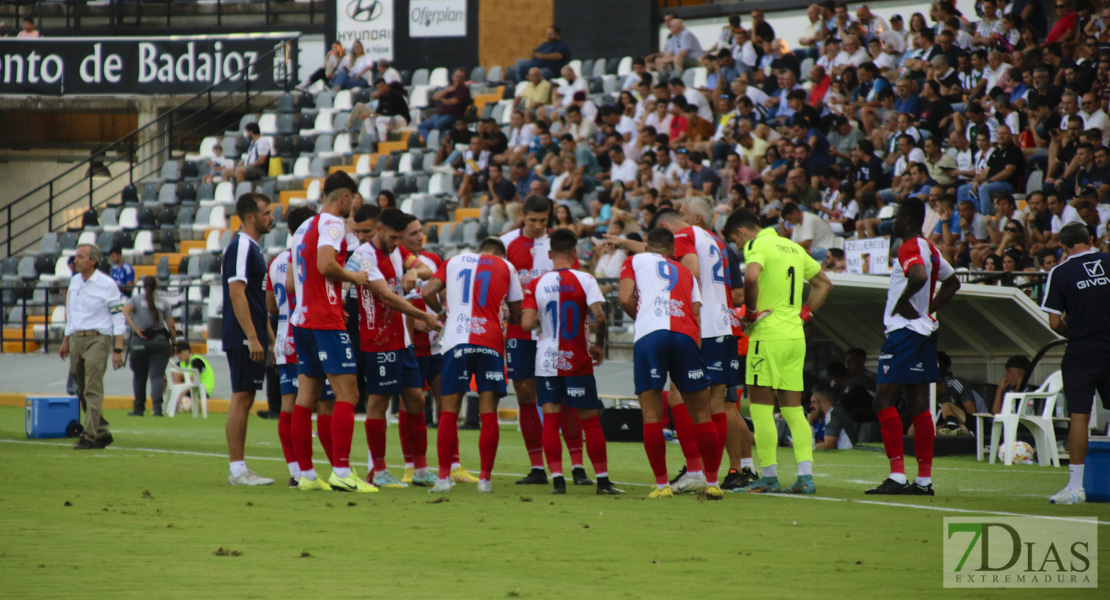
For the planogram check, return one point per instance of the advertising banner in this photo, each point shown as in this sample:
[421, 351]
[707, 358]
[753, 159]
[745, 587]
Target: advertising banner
[437, 18]
[366, 21]
[142, 66]
[868, 257]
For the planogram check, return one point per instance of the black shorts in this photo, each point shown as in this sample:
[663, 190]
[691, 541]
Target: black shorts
[254, 173]
[1085, 372]
[246, 375]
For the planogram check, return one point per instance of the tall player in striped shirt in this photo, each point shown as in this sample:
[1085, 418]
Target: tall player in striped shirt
[559, 304]
[908, 359]
[425, 343]
[664, 299]
[527, 250]
[476, 285]
[384, 343]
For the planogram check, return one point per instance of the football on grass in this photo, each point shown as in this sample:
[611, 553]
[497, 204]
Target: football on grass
[1023, 453]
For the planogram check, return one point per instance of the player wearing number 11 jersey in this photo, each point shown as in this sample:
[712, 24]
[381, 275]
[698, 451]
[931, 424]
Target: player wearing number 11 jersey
[559, 303]
[473, 344]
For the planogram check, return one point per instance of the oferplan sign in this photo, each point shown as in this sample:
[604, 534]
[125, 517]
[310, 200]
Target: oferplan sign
[366, 21]
[437, 18]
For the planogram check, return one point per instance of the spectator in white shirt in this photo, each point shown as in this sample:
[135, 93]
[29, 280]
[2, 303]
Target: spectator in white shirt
[520, 139]
[624, 169]
[564, 94]
[808, 231]
[387, 72]
[678, 88]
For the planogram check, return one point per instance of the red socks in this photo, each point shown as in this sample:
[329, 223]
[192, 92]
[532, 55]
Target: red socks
[572, 433]
[595, 445]
[720, 421]
[323, 431]
[923, 436]
[552, 445]
[890, 426]
[403, 435]
[285, 435]
[375, 441]
[418, 440]
[656, 447]
[342, 430]
[687, 437]
[487, 443]
[447, 442]
[532, 431]
[710, 451]
[301, 430]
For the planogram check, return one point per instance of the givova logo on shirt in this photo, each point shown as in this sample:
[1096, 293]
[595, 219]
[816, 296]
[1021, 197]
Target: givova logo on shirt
[1096, 273]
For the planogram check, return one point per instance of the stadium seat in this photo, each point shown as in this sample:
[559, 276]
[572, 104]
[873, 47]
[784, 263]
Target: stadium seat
[433, 139]
[109, 220]
[494, 75]
[1017, 410]
[149, 192]
[48, 245]
[162, 270]
[190, 383]
[313, 192]
[9, 269]
[317, 167]
[129, 218]
[323, 144]
[243, 187]
[248, 118]
[67, 242]
[225, 192]
[62, 272]
[170, 171]
[167, 194]
[206, 146]
[122, 239]
[143, 245]
[266, 188]
[285, 103]
[230, 147]
[304, 102]
[599, 69]
[806, 67]
[211, 243]
[185, 192]
[362, 165]
[323, 100]
[206, 192]
[342, 145]
[200, 223]
[129, 195]
[267, 124]
[189, 170]
[420, 77]
[439, 78]
[478, 75]
[26, 269]
[166, 242]
[342, 100]
[283, 146]
[624, 67]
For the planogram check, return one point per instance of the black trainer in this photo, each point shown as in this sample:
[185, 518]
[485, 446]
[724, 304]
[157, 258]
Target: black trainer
[915, 489]
[134, 413]
[605, 488]
[104, 441]
[292, 482]
[889, 488]
[534, 477]
[560, 485]
[733, 481]
[85, 444]
[749, 475]
[681, 472]
[579, 474]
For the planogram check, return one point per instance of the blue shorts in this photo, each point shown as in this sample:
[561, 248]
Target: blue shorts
[246, 375]
[388, 373]
[722, 359]
[324, 352]
[576, 392]
[485, 364]
[908, 358]
[430, 367]
[662, 352]
[520, 358]
[287, 376]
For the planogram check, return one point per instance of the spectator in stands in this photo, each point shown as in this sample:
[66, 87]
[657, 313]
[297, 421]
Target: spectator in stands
[504, 204]
[475, 172]
[217, 164]
[957, 400]
[681, 51]
[257, 159]
[523, 178]
[386, 199]
[152, 330]
[565, 220]
[331, 63]
[29, 31]
[448, 155]
[549, 56]
[453, 101]
[352, 71]
[854, 397]
[184, 359]
[520, 137]
[808, 231]
[704, 181]
[392, 111]
[493, 139]
[387, 72]
[833, 427]
[535, 96]
[563, 95]
[93, 303]
[122, 272]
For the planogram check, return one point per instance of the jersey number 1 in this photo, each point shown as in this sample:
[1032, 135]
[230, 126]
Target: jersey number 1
[483, 278]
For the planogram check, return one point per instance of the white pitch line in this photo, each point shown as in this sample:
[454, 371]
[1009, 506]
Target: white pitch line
[628, 483]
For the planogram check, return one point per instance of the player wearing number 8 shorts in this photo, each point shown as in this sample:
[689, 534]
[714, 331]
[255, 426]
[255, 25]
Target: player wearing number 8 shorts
[777, 269]
[559, 303]
[663, 298]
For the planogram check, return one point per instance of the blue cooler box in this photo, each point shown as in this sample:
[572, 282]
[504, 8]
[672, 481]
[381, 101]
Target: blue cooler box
[51, 416]
[1096, 471]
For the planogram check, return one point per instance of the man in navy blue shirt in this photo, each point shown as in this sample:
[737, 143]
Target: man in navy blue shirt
[1077, 300]
[244, 323]
[549, 57]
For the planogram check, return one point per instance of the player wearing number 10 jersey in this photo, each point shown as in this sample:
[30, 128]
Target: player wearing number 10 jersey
[663, 298]
[777, 269]
[559, 303]
[476, 285]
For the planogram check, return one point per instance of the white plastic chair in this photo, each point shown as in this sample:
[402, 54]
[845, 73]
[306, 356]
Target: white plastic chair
[1016, 410]
[191, 383]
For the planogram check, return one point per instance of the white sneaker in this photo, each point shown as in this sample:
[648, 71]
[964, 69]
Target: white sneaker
[688, 484]
[1068, 496]
[249, 477]
[442, 486]
[485, 487]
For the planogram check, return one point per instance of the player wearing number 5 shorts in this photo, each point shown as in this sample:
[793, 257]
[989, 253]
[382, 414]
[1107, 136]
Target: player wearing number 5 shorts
[559, 304]
[663, 298]
[777, 270]
[476, 285]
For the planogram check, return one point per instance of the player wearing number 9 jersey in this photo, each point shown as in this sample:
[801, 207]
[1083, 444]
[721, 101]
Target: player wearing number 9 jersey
[777, 269]
[663, 298]
[559, 303]
[476, 285]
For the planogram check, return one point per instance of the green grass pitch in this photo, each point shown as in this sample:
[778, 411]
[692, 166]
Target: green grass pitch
[153, 517]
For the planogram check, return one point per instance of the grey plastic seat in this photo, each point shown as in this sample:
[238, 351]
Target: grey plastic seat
[167, 194]
[170, 171]
[286, 124]
[149, 194]
[206, 191]
[26, 269]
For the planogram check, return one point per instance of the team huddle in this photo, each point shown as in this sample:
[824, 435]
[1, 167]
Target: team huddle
[520, 309]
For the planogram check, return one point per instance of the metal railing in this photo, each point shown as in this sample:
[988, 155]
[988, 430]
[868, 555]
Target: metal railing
[155, 17]
[139, 155]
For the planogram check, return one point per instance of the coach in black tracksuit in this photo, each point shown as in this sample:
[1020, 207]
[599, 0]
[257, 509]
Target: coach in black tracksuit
[1077, 298]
